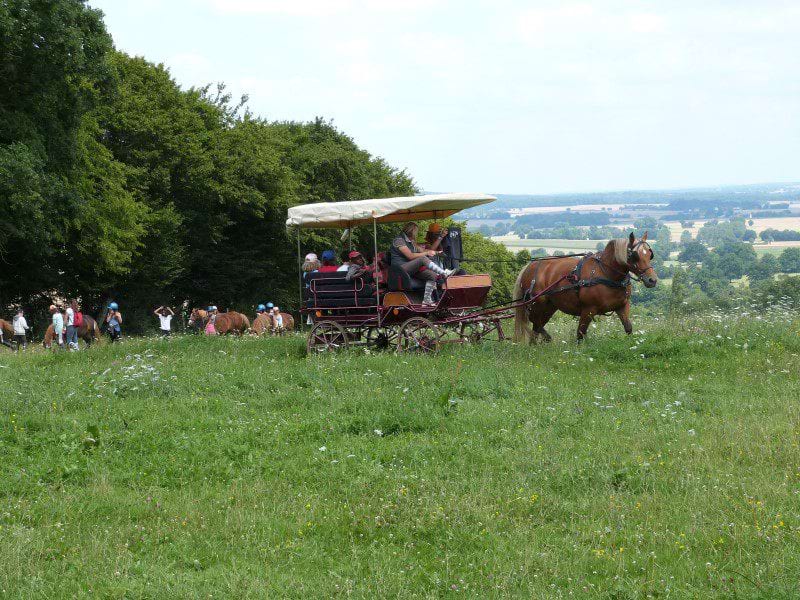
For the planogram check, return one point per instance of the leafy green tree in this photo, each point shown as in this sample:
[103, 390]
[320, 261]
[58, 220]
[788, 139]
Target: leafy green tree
[693, 252]
[764, 268]
[749, 236]
[686, 237]
[790, 260]
[735, 259]
[679, 291]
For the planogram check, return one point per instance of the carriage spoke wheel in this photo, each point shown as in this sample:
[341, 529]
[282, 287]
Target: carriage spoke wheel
[327, 336]
[418, 334]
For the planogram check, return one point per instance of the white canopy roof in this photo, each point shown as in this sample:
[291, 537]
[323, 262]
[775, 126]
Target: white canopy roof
[383, 210]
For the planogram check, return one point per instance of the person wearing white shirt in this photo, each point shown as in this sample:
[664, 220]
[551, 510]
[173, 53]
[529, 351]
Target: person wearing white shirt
[20, 329]
[165, 314]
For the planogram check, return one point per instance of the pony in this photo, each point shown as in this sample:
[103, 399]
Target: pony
[586, 286]
[229, 322]
[89, 332]
[8, 332]
[263, 324]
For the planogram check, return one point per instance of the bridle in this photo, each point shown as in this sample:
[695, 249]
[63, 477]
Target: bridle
[633, 259]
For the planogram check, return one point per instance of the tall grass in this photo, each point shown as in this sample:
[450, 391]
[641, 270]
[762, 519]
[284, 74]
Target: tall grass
[666, 464]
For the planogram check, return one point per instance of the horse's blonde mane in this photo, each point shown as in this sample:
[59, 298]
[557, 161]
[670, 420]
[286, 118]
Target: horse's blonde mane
[619, 250]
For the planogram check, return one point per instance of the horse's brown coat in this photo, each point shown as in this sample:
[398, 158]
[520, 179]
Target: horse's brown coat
[229, 322]
[88, 332]
[262, 323]
[585, 302]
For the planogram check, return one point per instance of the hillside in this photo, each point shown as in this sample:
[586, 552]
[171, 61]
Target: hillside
[663, 465]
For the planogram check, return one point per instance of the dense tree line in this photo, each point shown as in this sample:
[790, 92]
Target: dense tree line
[115, 182]
[777, 235]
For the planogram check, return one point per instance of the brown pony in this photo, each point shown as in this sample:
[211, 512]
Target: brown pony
[8, 331]
[595, 284]
[263, 324]
[88, 332]
[229, 322]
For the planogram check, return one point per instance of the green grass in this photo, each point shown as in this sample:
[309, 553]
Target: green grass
[666, 464]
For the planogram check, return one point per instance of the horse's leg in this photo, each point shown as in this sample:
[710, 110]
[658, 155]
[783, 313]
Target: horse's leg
[545, 313]
[624, 315]
[583, 323]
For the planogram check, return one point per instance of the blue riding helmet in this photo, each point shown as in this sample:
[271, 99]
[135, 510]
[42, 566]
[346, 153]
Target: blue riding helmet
[210, 308]
[261, 308]
[113, 306]
[270, 305]
[328, 255]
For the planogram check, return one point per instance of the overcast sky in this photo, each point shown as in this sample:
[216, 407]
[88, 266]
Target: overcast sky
[507, 96]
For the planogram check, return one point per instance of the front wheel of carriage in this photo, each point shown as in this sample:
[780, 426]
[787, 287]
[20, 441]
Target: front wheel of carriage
[326, 336]
[418, 334]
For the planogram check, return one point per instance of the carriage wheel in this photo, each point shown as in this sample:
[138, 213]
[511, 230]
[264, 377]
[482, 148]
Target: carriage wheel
[418, 334]
[326, 336]
[380, 338]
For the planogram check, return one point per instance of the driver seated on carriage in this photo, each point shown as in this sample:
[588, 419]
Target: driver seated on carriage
[408, 256]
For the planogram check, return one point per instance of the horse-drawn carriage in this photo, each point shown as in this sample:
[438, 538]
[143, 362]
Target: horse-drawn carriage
[391, 312]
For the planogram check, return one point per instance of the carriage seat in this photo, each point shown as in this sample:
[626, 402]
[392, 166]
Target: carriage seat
[400, 281]
[332, 290]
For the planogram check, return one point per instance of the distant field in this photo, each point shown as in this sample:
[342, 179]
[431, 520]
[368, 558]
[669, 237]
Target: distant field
[758, 226]
[515, 244]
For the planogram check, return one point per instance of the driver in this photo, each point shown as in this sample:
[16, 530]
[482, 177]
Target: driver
[411, 258]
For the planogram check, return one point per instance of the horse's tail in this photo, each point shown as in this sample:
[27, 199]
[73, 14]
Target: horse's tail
[245, 323]
[522, 332]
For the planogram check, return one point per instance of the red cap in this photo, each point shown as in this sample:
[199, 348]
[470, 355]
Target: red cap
[354, 254]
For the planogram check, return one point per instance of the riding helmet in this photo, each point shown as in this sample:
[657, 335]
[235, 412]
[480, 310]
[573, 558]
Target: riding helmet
[113, 306]
[261, 308]
[270, 305]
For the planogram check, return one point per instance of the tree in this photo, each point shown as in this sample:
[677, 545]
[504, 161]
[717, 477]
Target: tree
[693, 252]
[686, 237]
[789, 260]
[679, 292]
[764, 268]
[735, 259]
[749, 236]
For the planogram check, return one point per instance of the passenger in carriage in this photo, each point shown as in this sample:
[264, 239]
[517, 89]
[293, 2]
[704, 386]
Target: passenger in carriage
[358, 268]
[328, 262]
[436, 239]
[411, 258]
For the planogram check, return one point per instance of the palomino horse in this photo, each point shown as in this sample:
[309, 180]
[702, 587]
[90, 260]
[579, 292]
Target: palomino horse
[595, 284]
[229, 322]
[263, 323]
[88, 332]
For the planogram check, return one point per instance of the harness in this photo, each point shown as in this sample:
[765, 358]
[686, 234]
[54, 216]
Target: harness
[576, 283]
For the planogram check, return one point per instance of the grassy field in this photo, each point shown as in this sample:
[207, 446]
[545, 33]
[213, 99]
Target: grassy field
[666, 464]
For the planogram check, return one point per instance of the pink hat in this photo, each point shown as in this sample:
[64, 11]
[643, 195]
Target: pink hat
[311, 257]
[354, 254]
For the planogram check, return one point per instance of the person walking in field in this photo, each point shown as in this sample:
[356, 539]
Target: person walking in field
[58, 325]
[20, 329]
[72, 331]
[211, 328]
[165, 314]
[277, 321]
[114, 322]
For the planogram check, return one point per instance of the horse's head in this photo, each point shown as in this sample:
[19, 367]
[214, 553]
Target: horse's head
[197, 317]
[639, 256]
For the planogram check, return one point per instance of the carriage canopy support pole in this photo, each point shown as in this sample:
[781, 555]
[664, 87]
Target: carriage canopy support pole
[300, 278]
[376, 274]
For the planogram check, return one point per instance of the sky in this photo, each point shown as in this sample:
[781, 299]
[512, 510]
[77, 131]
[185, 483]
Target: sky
[507, 96]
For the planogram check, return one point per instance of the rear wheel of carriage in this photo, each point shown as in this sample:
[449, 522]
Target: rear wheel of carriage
[326, 336]
[418, 334]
